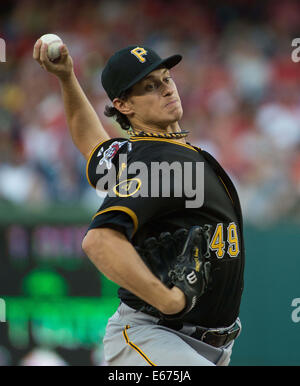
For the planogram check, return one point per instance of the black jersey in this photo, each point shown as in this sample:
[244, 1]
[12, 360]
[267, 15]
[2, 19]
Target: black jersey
[143, 204]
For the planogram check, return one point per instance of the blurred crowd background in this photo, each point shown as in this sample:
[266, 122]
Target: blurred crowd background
[239, 88]
[240, 91]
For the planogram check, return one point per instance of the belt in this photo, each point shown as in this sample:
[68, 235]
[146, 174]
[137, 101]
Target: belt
[217, 337]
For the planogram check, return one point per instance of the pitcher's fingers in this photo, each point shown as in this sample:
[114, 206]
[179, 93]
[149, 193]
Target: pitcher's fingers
[44, 56]
[36, 50]
[64, 52]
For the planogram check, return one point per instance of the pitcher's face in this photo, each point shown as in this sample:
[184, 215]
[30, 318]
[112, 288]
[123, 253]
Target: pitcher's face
[155, 101]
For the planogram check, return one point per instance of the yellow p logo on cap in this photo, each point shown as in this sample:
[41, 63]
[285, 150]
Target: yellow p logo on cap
[139, 52]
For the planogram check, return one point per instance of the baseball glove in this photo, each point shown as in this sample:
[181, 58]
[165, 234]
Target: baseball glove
[180, 260]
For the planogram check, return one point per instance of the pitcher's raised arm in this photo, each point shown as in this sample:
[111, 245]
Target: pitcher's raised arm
[84, 124]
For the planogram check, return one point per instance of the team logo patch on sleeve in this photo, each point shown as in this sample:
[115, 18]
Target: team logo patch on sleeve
[109, 153]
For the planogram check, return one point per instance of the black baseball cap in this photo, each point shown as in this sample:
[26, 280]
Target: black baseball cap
[129, 65]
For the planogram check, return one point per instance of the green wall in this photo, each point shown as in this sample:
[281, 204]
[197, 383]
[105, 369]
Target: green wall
[272, 280]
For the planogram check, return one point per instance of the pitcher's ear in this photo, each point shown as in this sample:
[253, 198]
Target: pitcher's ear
[124, 106]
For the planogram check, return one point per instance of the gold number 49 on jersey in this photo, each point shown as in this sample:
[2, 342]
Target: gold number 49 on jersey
[218, 245]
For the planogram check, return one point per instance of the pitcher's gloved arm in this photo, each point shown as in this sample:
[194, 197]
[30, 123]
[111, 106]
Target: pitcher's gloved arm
[117, 259]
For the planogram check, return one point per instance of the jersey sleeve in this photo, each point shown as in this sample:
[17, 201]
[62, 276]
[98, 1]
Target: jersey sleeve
[114, 219]
[104, 158]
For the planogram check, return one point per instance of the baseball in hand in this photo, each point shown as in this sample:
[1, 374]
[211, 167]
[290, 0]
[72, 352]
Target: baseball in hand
[54, 43]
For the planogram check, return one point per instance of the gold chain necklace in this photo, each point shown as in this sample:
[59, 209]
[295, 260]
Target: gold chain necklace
[135, 133]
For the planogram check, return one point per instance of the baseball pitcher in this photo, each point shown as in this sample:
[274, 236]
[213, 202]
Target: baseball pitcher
[169, 231]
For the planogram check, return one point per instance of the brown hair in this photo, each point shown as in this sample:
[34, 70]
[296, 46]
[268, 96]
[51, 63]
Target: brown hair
[111, 111]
